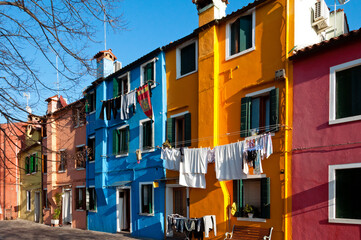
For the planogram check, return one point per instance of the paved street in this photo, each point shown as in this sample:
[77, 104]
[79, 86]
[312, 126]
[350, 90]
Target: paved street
[21, 229]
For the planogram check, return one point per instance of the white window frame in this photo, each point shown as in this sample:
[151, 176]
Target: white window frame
[175, 116]
[178, 52]
[92, 137]
[332, 193]
[95, 107]
[155, 72]
[141, 135]
[228, 35]
[124, 154]
[332, 110]
[125, 75]
[61, 171]
[28, 200]
[140, 199]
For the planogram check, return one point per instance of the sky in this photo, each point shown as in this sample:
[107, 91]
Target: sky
[152, 24]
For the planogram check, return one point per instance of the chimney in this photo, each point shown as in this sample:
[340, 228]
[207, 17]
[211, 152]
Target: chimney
[105, 63]
[208, 10]
[55, 103]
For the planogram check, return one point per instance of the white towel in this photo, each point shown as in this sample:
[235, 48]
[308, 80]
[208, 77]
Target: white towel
[210, 223]
[195, 160]
[171, 158]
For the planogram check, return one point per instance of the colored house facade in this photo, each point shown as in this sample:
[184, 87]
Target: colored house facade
[325, 150]
[124, 196]
[64, 159]
[30, 197]
[11, 136]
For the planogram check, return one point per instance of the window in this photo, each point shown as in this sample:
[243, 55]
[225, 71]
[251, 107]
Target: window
[90, 102]
[240, 35]
[45, 199]
[92, 199]
[28, 201]
[80, 198]
[45, 161]
[259, 112]
[255, 192]
[121, 141]
[121, 85]
[78, 117]
[146, 135]
[146, 200]
[179, 130]
[27, 165]
[187, 55]
[345, 92]
[91, 149]
[80, 156]
[344, 198]
[62, 162]
[148, 73]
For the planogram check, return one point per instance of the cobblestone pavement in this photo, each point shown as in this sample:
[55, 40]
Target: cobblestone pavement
[22, 229]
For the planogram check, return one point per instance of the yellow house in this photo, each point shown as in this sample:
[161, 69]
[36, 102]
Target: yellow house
[226, 81]
[30, 165]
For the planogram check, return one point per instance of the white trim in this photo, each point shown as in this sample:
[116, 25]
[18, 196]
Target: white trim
[141, 135]
[130, 206]
[332, 100]
[140, 199]
[228, 35]
[251, 219]
[154, 70]
[91, 186]
[123, 126]
[123, 154]
[92, 136]
[260, 92]
[127, 75]
[179, 114]
[79, 146]
[332, 193]
[81, 186]
[178, 57]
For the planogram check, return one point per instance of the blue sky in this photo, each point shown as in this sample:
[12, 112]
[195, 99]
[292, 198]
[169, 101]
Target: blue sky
[149, 26]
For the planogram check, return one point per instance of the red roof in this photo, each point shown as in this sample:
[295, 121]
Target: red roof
[105, 51]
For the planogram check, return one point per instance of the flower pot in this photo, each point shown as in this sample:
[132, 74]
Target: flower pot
[55, 222]
[250, 215]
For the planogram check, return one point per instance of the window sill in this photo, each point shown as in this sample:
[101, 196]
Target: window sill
[45, 137]
[91, 112]
[33, 173]
[344, 220]
[146, 214]
[63, 171]
[229, 57]
[122, 155]
[92, 211]
[148, 150]
[80, 169]
[251, 219]
[187, 74]
[79, 210]
[46, 209]
[344, 120]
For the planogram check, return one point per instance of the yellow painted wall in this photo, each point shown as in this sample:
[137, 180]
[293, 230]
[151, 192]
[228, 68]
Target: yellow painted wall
[30, 182]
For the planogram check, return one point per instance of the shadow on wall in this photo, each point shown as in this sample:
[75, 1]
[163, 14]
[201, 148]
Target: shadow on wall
[153, 230]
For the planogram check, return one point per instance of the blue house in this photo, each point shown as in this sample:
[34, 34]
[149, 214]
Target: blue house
[125, 193]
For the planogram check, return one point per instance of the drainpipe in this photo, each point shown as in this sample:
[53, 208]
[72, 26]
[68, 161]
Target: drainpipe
[4, 192]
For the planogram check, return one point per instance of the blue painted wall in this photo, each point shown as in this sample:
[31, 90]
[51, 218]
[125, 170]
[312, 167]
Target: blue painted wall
[108, 169]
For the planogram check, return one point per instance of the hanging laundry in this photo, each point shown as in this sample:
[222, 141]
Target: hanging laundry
[101, 116]
[210, 223]
[143, 96]
[193, 168]
[127, 101]
[171, 158]
[211, 156]
[109, 109]
[229, 161]
[114, 108]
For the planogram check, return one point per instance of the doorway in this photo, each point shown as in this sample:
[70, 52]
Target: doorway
[123, 210]
[67, 207]
[37, 207]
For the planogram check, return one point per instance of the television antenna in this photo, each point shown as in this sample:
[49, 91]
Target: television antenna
[27, 96]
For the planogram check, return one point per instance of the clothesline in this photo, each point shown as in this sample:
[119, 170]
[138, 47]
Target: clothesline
[110, 99]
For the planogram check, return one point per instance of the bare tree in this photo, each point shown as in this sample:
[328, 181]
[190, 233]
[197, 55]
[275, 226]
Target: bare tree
[32, 31]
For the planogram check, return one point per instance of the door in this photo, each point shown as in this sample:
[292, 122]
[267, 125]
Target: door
[37, 207]
[123, 210]
[67, 207]
[180, 201]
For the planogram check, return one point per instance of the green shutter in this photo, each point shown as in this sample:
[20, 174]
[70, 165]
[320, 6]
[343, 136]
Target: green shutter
[245, 32]
[87, 103]
[171, 130]
[245, 116]
[36, 162]
[115, 87]
[238, 196]
[274, 109]
[26, 164]
[31, 163]
[127, 133]
[187, 130]
[265, 198]
[115, 142]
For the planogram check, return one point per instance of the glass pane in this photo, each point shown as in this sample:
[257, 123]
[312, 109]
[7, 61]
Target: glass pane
[267, 113]
[347, 193]
[245, 32]
[188, 59]
[255, 114]
[348, 92]
[234, 37]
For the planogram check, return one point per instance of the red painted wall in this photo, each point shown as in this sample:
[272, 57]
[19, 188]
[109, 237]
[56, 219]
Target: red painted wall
[311, 129]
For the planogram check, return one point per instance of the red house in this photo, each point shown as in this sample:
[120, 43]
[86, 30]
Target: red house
[326, 154]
